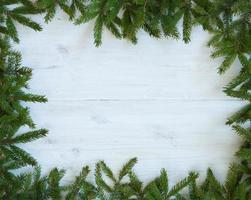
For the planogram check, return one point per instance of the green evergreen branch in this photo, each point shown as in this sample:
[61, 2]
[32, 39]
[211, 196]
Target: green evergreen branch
[245, 133]
[241, 116]
[182, 184]
[54, 188]
[187, 21]
[127, 168]
[29, 136]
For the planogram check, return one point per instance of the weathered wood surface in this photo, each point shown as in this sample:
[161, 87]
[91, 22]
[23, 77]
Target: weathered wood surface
[160, 100]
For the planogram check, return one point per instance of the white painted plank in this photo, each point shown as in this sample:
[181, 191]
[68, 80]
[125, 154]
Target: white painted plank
[70, 67]
[178, 135]
[160, 101]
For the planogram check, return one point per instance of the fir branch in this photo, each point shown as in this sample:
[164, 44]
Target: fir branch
[12, 29]
[20, 154]
[240, 116]
[127, 168]
[238, 80]
[187, 21]
[163, 181]
[182, 184]
[108, 172]
[98, 28]
[29, 136]
[232, 180]
[244, 154]
[79, 183]
[245, 133]
[54, 188]
[25, 21]
[101, 184]
[226, 64]
[245, 62]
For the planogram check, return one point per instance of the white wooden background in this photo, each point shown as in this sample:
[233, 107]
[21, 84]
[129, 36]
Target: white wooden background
[160, 101]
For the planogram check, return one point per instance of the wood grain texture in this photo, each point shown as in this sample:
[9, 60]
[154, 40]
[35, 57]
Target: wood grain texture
[160, 100]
